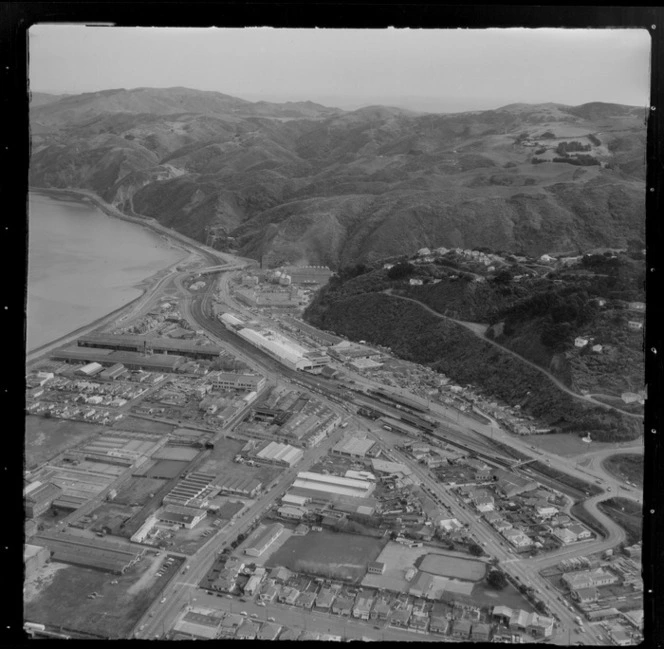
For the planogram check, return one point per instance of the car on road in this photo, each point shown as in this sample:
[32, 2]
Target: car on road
[163, 599]
[254, 615]
[270, 619]
[243, 613]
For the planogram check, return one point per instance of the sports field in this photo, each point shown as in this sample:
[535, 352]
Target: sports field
[452, 566]
[331, 554]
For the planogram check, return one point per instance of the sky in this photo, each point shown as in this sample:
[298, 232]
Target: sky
[427, 70]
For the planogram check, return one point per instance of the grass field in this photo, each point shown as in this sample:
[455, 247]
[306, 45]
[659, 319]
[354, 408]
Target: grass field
[453, 566]
[627, 467]
[628, 514]
[62, 598]
[337, 555]
[145, 426]
[46, 437]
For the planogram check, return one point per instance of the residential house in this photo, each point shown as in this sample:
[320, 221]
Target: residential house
[269, 592]
[399, 617]
[635, 325]
[480, 632]
[438, 624]
[502, 614]
[564, 535]
[288, 595]
[419, 621]
[247, 631]
[518, 539]
[580, 531]
[306, 600]
[281, 574]
[268, 631]
[380, 611]
[540, 626]
[290, 634]
[342, 606]
[324, 599]
[461, 629]
[519, 620]
[252, 585]
[362, 607]
[580, 342]
[546, 511]
[586, 595]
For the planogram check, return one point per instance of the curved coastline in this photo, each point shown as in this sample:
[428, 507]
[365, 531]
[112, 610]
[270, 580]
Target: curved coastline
[144, 286]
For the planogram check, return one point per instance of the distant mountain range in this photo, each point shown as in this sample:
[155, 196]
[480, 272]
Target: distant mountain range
[301, 182]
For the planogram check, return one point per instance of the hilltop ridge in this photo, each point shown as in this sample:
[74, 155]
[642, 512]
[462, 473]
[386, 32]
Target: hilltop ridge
[304, 182]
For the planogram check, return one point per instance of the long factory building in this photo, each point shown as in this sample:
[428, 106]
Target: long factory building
[134, 343]
[285, 350]
[333, 485]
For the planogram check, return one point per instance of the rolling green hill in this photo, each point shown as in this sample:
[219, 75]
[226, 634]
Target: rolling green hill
[300, 182]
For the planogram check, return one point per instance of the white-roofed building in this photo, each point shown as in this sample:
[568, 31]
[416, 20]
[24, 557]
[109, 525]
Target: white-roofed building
[354, 446]
[285, 350]
[277, 453]
[291, 499]
[334, 484]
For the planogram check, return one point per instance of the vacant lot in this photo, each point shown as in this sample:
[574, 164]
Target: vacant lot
[46, 437]
[220, 461]
[628, 467]
[138, 490]
[166, 469]
[62, 598]
[337, 555]
[453, 566]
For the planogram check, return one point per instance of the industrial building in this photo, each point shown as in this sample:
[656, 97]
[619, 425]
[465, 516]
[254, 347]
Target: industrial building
[288, 299]
[109, 357]
[281, 454]
[38, 497]
[294, 513]
[234, 381]
[114, 372]
[333, 485]
[240, 485]
[195, 489]
[231, 321]
[134, 343]
[92, 553]
[91, 369]
[309, 275]
[356, 446]
[286, 351]
[262, 539]
[187, 517]
[290, 499]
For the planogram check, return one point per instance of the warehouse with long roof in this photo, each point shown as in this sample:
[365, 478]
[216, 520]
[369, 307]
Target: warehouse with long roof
[333, 485]
[276, 453]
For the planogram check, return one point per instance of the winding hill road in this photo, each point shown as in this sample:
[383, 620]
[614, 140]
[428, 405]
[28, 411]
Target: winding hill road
[477, 331]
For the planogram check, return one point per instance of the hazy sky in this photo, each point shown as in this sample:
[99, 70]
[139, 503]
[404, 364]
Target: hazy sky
[445, 70]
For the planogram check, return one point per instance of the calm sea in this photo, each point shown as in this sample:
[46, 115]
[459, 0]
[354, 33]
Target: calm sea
[83, 264]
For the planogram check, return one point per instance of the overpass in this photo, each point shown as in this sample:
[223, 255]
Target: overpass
[519, 463]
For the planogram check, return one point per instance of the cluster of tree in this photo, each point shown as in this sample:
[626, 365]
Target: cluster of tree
[564, 148]
[595, 140]
[401, 271]
[540, 151]
[579, 160]
[547, 135]
[358, 310]
[496, 579]
[537, 161]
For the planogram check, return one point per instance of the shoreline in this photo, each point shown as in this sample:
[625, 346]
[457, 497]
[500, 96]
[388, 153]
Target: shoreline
[172, 238]
[144, 286]
[148, 222]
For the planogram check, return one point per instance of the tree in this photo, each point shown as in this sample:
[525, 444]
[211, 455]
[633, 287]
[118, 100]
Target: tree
[400, 270]
[475, 550]
[497, 579]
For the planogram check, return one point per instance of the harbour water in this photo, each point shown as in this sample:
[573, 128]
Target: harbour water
[83, 264]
